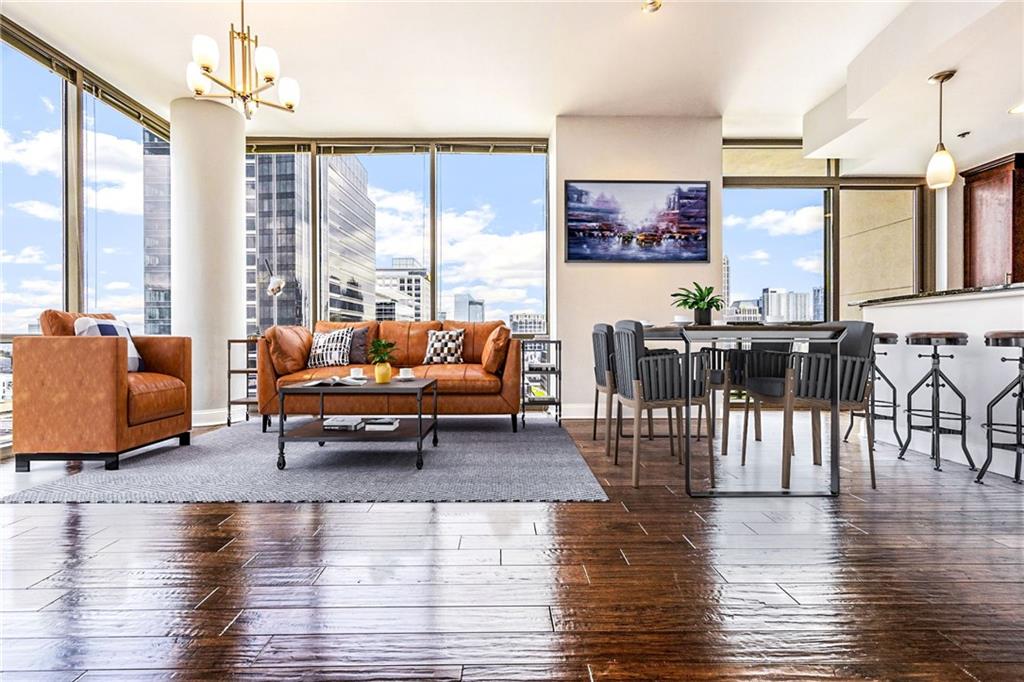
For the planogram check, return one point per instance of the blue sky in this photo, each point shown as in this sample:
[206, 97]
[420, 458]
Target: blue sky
[31, 239]
[773, 238]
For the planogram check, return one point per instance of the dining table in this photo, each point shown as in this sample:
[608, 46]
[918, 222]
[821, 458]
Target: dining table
[742, 336]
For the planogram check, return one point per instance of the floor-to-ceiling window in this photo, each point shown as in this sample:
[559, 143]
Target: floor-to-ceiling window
[31, 185]
[375, 257]
[492, 238]
[126, 246]
[277, 240]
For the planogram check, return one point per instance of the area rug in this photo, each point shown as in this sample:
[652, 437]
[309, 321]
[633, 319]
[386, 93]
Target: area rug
[477, 460]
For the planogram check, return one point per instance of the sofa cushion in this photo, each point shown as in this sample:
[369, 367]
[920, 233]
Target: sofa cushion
[321, 373]
[460, 379]
[289, 347]
[475, 334]
[495, 349]
[153, 396]
[60, 323]
[410, 339]
[444, 347]
[370, 326]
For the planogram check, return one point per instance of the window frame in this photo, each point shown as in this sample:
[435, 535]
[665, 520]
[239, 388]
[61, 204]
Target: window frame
[317, 147]
[832, 183]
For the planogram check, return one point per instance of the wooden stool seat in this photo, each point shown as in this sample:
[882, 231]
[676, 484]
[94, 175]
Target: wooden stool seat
[1005, 338]
[937, 339]
[886, 338]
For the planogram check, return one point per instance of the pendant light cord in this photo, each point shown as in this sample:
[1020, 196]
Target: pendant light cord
[941, 83]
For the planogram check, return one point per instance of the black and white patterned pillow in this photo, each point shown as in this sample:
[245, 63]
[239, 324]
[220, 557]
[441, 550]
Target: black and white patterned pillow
[330, 349]
[444, 347]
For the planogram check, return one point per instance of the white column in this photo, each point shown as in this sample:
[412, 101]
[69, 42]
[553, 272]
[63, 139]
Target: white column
[207, 243]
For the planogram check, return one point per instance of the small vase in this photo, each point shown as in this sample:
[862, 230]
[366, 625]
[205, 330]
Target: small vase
[702, 316]
[382, 372]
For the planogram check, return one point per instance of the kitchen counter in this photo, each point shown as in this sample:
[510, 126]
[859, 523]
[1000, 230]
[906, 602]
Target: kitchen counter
[1019, 286]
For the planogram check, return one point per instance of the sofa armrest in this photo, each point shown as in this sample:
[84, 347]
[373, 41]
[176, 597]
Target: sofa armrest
[512, 375]
[70, 393]
[266, 378]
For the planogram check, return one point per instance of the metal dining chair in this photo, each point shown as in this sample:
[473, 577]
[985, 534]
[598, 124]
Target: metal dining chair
[650, 381]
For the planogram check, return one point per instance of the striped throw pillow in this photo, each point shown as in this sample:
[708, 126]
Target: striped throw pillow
[330, 349]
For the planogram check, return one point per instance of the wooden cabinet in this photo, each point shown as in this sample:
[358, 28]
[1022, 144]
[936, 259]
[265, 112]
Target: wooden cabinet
[994, 222]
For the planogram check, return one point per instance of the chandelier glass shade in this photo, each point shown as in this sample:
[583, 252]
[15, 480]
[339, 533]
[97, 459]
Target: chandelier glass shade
[253, 69]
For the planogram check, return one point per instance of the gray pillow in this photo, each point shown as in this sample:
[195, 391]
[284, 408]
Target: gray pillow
[357, 352]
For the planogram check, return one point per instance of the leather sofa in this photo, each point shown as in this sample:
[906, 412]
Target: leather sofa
[468, 388]
[74, 398]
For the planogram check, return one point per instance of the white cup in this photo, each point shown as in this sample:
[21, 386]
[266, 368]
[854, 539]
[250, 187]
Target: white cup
[357, 372]
[405, 373]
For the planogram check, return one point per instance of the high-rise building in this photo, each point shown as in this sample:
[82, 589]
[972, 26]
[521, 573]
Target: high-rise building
[468, 308]
[348, 276]
[393, 304]
[726, 280]
[277, 232]
[156, 233]
[780, 305]
[743, 311]
[408, 276]
[528, 323]
[818, 294]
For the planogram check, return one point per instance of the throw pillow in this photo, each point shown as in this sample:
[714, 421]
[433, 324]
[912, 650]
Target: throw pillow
[91, 326]
[330, 349]
[357, 353]
[495, 350]
[444, 347]
[289, 348]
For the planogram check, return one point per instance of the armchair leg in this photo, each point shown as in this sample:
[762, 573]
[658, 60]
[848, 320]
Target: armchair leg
[725, 420]
[608, 426]
[515, 424]
[871, 446]
[700, 418]
[746, 423]
[757, 420]
[618, 431]
[112, 463]
[679, 431]
[597, 395]
[671, 435]
[185, 439]
[650, 424]
[22, 463]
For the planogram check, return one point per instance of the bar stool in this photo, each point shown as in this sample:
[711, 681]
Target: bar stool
[1006, 339]
[887, 407]
[936, 379]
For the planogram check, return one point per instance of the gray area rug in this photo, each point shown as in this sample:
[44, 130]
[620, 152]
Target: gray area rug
[477, 460]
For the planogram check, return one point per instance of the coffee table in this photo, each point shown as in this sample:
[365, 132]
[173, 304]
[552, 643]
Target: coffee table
[314, 431]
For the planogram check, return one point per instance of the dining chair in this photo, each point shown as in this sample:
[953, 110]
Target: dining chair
[649, 380]
[805, 381]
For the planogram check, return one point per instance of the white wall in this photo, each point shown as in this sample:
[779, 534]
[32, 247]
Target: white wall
[582, 294]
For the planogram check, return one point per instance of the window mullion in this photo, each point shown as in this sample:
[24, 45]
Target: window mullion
[74, 195]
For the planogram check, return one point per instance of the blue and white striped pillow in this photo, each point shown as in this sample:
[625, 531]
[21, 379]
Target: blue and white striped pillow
[90, 326]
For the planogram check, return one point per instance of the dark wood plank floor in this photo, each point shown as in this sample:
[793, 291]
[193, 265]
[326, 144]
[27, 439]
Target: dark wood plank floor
[921, 579]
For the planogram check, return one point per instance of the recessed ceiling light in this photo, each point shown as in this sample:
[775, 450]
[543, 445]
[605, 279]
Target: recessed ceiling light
[650, 6]
[1019, 109]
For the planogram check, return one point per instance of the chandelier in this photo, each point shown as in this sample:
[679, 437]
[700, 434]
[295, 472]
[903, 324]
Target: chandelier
[253, 70]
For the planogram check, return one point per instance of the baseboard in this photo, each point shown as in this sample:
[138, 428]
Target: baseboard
[217, 417]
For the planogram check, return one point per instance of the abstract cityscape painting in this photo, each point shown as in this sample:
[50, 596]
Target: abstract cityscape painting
[636, 222]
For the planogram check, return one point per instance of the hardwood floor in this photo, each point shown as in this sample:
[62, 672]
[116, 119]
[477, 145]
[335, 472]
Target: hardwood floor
[921, 579]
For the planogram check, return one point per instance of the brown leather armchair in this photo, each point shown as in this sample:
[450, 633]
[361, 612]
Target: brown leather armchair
[74, 398]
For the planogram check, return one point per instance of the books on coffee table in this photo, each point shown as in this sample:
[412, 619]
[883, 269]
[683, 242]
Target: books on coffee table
[381, 423]
[343, 423]
[337, 381]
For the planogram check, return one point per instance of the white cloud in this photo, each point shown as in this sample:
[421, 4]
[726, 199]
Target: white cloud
[758, 256]
[113, 166]
[799, 222]
[54, 267]
[113, 250]
[733, 220]
[48, 104]
[118, 286]
[39, 209]
[813, 264]
[30, 255]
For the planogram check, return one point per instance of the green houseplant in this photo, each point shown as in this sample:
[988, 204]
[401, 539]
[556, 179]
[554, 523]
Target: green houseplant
[380, 355]
[701, 300]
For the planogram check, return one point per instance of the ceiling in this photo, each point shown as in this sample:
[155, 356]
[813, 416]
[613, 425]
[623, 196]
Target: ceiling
[412, 69]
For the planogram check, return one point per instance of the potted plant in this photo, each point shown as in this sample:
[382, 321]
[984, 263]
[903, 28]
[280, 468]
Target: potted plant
[701, 300]
[380, 355]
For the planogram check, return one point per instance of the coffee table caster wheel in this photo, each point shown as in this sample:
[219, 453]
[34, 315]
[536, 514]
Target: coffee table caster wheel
[320, 443]
[281, 462]
[419, 462]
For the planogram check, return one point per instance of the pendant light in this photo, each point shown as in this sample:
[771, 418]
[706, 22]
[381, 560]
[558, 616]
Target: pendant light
[941, 168]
